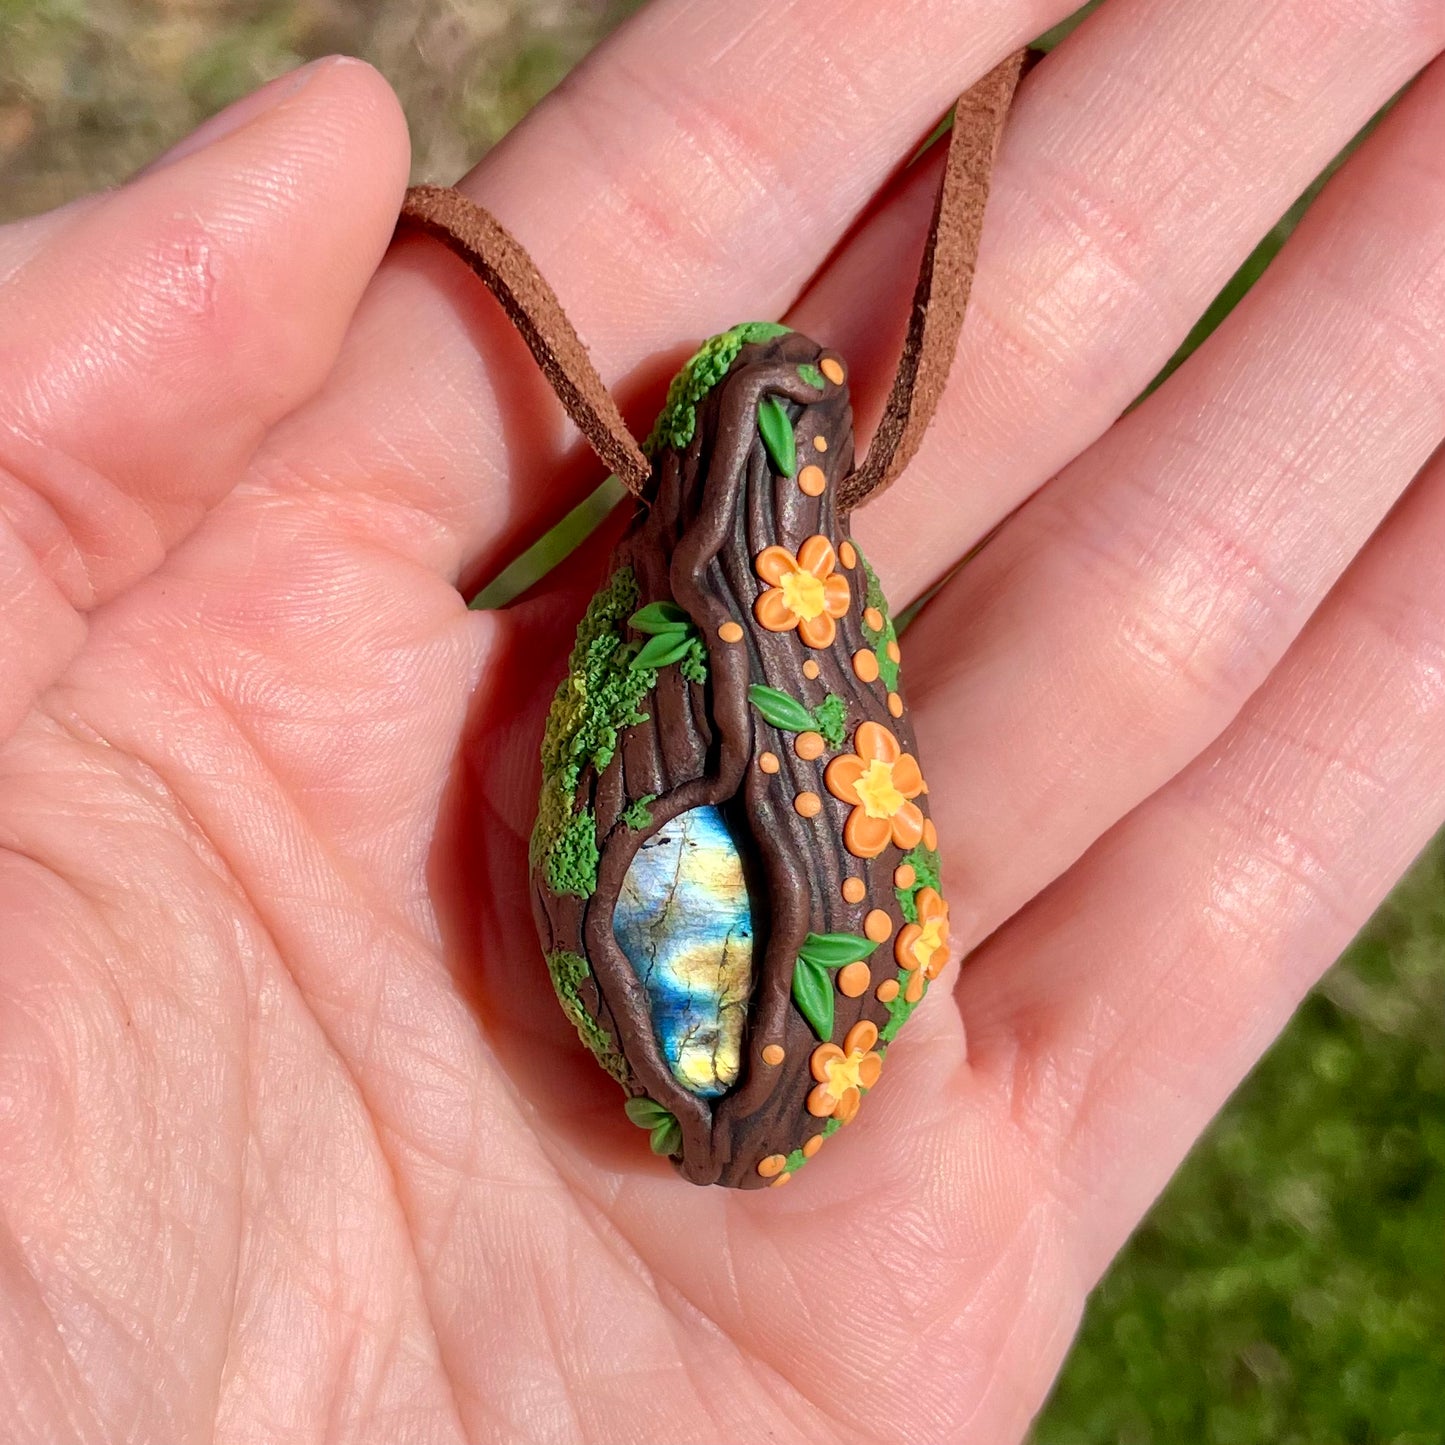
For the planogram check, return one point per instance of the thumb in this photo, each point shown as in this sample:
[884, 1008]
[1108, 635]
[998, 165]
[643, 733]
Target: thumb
[150, 337]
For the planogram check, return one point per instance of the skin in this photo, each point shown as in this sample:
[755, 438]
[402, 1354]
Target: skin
[297, 1145]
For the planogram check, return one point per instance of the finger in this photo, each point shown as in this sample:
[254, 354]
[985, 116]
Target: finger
[153, 336]
[1143, 160]
[691, 175]
[1121, 619]
[1119, 1011]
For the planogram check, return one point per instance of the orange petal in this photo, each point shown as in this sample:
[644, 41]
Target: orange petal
[866, 837]
[821, 1102]
[875, 743]
[915, 988]
[773, 612]
[837, 595]
[870, 1070]
[816, 555]
[818, 631]
[848, 1105]
[824, 1055]
[908, 935]
[775, 563]
[906, 776]
[930, 905]
[861, 1037]
[841, 777]
[907, 826]
[937, 962]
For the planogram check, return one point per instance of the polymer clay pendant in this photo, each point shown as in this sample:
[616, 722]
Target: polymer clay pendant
[735, 877]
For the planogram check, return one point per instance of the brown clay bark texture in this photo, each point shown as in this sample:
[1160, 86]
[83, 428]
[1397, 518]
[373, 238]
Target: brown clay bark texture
[713, 508]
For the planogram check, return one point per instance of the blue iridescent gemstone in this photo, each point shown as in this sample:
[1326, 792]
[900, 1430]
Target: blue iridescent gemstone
[685, 923]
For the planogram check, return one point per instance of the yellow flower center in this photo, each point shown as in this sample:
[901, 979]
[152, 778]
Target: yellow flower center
[845, 1074]
[880, 798]
[804, 595]
[928, 942]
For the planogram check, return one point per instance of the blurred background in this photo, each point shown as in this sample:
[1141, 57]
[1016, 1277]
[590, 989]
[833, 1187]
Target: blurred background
[1289, 1287]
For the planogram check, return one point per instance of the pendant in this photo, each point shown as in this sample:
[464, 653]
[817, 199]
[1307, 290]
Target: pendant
[735, 875]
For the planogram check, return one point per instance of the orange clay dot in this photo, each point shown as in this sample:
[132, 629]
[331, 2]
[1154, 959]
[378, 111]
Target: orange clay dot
[832, 370]
[895, 704]
[847, 554]
[853, 980]
[773, 1054]
[730, 632]
[810, 668]
[895, 653]
[812, 482]
[886, 991]
[854, 890]
[930, 835]
[904, 876]
[820, 444]
[773, 1164]
[769, 762]
[808, 804]
[865, 665]
[781, 1179]
[812, 1146]
[873, 618]
[809, 746]
[878, 925]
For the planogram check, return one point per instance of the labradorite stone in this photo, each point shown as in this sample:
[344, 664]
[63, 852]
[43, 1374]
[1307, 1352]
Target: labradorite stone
[684, 921]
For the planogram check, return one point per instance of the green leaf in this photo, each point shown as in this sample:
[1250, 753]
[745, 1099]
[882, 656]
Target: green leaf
[833, 950]
[662, 650]
[647, 1113]
[812, 375]
[813, 994]
[666, 1137]
[778, 435]
[658, 617]
[780, 709]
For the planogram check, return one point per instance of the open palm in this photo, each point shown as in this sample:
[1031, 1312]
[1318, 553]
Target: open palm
[296, 1143]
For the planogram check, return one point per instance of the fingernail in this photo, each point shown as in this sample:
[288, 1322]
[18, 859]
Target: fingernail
[239, 113]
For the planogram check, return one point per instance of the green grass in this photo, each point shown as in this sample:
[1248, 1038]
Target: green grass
[1289, 1287]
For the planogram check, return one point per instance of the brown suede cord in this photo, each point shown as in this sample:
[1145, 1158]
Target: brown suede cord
[944, 281]
[535, 311]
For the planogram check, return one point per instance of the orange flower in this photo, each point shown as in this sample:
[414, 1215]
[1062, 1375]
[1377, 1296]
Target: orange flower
[842, 1073]
[879, 779]
[922, 948]
[806, 592]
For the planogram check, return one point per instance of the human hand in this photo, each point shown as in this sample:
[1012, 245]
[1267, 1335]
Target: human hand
[296, 1141]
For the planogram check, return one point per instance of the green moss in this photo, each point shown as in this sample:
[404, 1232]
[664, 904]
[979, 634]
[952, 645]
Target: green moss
[693, 663]
[797, 1158]
[599, 697]
[572, 857]
[899, 1010]
[675, 427]
[925, 862]
[639, 813]
[830, 718]
[812, 375]
[569, 971]
[880, 637]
